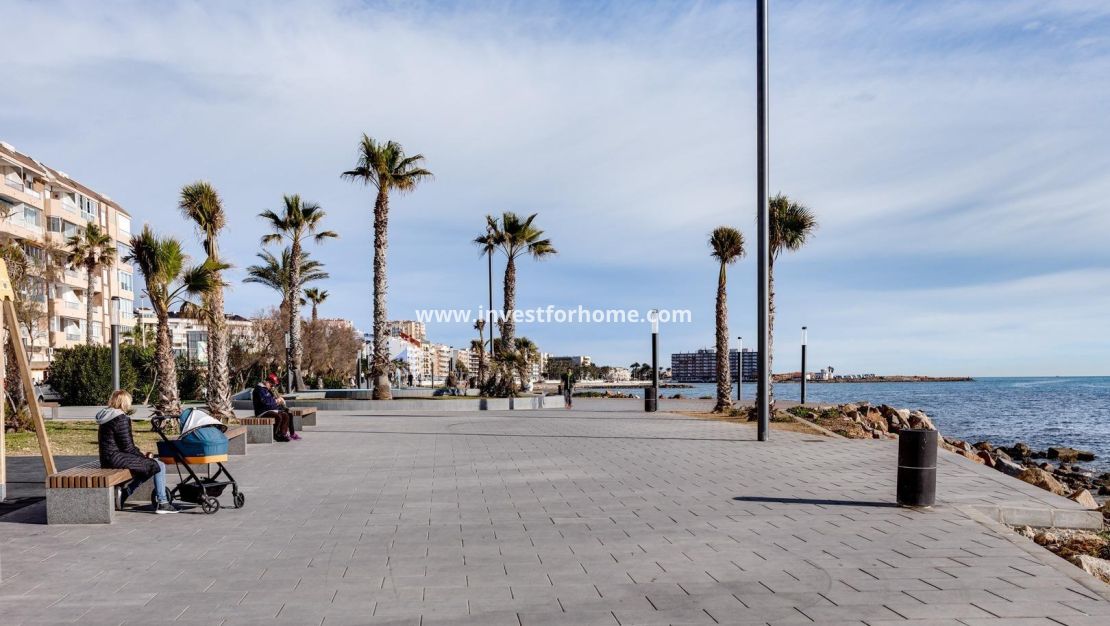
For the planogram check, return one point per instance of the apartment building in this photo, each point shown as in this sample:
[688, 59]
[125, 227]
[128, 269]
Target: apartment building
[189, 336]
[701, 366]
[40, 208]
[411, 328]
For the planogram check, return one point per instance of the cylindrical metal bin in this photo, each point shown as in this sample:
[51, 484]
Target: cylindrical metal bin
[917, 467]
[651, 402]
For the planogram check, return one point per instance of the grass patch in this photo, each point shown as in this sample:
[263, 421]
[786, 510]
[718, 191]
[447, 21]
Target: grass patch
[74, 438]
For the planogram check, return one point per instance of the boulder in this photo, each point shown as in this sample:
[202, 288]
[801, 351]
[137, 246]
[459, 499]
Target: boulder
[988, 460]
[1068, 455]
[999, 453]
[1084, 498]
[983, 445]
[1044, 480]
[1019, 451]
[1007, 466]
[918, 419]
[1045, 538]
[970, 455]
[1100, 568]
[1026, 531]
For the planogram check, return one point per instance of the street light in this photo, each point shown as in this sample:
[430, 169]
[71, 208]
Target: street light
[114, 313]
[763, 395]
[803, 364]
[740, 372]
[288, 362]
[651, 394]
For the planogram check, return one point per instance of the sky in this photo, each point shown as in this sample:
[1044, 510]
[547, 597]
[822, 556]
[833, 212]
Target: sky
[955, 154]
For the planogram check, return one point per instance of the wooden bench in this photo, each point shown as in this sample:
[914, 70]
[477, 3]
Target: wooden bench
[259, 429]
[307, 417]
[85, 494]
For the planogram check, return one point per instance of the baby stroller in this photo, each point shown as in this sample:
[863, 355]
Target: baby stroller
[201, 441]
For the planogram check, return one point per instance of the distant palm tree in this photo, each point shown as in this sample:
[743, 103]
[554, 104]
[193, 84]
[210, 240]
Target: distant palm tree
[516, 237]
[316, 296]
[791, 226]
[387, 167]
[480, 326]
[726, 245]
[200, 203]
[162, 264]
[274, 272]
[525, 352]
[297, 221]
[91, 250]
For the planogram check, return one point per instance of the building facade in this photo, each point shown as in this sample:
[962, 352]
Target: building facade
[701, 366]
[189, 336]
[414, 329]
[40, 208]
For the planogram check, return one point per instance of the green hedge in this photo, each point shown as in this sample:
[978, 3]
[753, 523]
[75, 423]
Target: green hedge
[83, 374]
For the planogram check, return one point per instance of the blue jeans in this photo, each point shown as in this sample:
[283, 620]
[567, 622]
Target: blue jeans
[159, 482]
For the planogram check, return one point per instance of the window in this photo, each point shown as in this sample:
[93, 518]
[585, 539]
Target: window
[126, 309]
[55, 224]
[125, 281]
[32, 217]
[122, 250]
[123, 223]
[90, 209]
[96, 330]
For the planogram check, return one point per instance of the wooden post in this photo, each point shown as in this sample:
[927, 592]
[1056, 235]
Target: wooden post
[12, 324]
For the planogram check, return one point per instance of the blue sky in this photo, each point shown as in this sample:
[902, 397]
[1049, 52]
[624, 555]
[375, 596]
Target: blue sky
[954, 152]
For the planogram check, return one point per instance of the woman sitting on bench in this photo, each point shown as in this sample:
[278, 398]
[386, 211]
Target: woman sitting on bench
[118, 451]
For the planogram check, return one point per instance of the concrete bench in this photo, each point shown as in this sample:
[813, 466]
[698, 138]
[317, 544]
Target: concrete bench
[85, 494]
[259, 429]
[53, 406]
[306, 415]
[237, 440]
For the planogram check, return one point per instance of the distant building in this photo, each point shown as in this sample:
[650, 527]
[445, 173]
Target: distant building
[189, 335]
[618, 374]
[412, 328]
[570, 361]
[701, 366]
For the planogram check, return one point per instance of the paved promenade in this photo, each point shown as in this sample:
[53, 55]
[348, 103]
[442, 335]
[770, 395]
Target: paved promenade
[552, 517]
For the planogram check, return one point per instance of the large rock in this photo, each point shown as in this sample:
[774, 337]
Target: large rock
[1063, 454]
[1094, 566]
[1044, 480]
[1007, 466]
[1019, 451]
[1084, 498]
[918, 419]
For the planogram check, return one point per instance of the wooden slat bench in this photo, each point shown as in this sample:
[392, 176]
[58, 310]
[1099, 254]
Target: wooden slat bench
[85, 494]
[259, 429]
[307, 417]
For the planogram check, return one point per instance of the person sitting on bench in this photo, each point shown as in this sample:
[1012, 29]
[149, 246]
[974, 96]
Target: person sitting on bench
[118, 451]
[268, 404]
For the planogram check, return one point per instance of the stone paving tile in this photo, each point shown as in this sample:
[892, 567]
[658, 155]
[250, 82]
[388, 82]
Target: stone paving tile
[595, 516]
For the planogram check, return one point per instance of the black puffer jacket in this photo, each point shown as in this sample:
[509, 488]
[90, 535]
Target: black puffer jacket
[117, 446]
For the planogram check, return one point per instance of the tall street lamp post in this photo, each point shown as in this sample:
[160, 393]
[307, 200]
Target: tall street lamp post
[651, 394]
[803, 364]
[763, 395]
[289, 363]
[114, 312]
[740, 371]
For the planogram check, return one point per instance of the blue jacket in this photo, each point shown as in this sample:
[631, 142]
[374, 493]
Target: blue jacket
[263, 399]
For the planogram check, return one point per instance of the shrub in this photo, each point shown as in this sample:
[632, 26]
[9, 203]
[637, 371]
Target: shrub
[83, 374]
[191, 381]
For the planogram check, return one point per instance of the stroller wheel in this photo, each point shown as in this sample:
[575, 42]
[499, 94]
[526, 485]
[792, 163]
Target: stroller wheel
[240, 500]
[209, 505]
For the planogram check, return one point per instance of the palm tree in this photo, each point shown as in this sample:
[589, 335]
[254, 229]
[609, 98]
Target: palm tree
[273, 272]
[525, 351]
[316, 296]
[387, 167]
[200, 203]
[91, 250]
[161, 261]
[516, 237]
[297, 221]
[791, 226]
[480, 326]
[727, 245]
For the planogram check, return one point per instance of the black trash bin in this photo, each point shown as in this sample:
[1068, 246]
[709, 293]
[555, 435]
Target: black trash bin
[917, 467]
[651, 402]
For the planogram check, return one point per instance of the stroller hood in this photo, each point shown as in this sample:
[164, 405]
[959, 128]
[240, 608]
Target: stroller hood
[192, 419]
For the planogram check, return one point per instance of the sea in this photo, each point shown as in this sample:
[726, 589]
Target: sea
[1040, 411]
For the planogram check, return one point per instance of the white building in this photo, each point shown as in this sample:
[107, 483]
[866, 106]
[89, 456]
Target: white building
[618, 375]
[189, 336]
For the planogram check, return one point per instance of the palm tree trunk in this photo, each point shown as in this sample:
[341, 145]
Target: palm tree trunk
[771, 334]
[296, 351]
[724, 380]
[379, 366]
[219, 383]
[508, 327]
[89, 306]
[168, 402]
[314, 314]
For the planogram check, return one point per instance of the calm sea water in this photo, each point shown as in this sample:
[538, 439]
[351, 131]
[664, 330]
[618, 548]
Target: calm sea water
[1071, 411]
